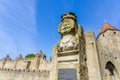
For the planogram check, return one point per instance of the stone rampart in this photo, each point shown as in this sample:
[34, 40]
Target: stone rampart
[37, 68]
[22, 74]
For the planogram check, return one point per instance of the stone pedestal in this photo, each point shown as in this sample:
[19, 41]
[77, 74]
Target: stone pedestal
[69, 51]
[68, 64]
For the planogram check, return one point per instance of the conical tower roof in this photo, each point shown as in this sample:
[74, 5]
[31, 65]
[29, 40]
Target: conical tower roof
[106, 26]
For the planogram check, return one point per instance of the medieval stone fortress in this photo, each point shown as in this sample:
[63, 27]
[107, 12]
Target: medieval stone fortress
[76, 56]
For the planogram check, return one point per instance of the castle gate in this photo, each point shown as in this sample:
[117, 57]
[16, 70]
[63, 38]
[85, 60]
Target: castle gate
[111, 72]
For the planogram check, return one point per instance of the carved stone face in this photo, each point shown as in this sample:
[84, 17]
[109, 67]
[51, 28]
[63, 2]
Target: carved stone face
[66, 26]
[68, 40]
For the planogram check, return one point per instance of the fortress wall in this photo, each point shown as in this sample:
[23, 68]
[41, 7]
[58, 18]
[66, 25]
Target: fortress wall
[110, 39]
[34, 64]
[109, 49]
[24, 64]
[1, 63]
[92, 57]
[45, 65]
[21, 64]
[10, 74]
[117, 37]
[17, 64]
[110, 44]
[50, 66]
[40, 64]
[9, 64]
[117, 55]
[17, 70]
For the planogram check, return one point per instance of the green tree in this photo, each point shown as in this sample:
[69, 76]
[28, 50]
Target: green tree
[30, 55]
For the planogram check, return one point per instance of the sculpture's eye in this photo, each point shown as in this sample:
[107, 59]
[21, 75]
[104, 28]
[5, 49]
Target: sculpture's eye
[65, 24]
[62, 27]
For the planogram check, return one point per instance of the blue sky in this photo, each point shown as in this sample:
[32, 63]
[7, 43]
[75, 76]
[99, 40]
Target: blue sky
[26, 26]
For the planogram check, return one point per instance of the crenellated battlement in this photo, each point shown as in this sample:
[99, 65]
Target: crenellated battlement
[25, 68]
[22, 64]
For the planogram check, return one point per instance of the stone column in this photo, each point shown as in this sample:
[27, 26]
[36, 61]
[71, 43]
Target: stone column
[92, 57]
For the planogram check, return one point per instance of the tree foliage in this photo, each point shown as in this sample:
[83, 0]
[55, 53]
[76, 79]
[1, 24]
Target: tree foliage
[30, 55]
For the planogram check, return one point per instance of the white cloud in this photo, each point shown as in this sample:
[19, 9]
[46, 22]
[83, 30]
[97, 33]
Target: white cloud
[17, 26]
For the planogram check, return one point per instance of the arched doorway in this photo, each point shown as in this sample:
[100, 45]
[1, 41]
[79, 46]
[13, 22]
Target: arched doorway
[111, 72]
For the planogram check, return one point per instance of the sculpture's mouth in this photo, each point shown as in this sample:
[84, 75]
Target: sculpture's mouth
[65, 29]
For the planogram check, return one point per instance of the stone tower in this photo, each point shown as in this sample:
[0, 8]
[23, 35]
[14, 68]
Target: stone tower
[108, 42]
[92, 56]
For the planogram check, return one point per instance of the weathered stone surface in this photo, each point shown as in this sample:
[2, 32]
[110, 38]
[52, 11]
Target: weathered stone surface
[92, 57]
[24, 75]
[68, 31]
[109, 49]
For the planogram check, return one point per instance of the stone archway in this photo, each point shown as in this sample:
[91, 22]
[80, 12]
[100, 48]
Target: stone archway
[111, 72]
[28, 63]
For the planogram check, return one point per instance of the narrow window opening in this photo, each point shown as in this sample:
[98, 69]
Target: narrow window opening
[115, 57]
[114, 32]
[103, 35]
[92, 43]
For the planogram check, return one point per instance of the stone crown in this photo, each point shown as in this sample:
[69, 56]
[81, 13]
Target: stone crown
[69, 15]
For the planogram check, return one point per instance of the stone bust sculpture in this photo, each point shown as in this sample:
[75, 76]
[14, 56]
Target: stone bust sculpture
[68, 30]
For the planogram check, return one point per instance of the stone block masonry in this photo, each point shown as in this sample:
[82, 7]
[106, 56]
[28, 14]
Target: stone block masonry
[18, 74]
